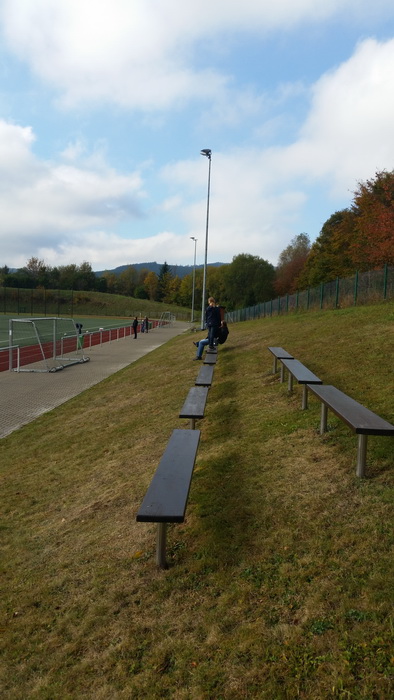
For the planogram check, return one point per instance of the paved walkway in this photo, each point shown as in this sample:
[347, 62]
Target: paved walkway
[26, 395]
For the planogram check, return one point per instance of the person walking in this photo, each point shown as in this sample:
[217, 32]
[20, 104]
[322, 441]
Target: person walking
[213, 321]
[135, 326]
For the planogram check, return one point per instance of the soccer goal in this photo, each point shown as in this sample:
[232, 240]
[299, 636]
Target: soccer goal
[166, 319]
[46, 344]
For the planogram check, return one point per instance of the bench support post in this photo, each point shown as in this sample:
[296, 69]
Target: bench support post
[323, 419]
[304, 397]
[282, 373]
[290, 382]
[361, 455]
[161, 545]
[274, 369]
[192, 423]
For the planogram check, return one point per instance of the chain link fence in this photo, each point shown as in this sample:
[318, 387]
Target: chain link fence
[362, 288]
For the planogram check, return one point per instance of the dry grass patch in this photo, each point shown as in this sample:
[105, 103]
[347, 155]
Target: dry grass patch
[281, 580]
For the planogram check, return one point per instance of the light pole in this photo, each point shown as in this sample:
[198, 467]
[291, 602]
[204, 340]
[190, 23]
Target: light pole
[207, 153]
[194, 274]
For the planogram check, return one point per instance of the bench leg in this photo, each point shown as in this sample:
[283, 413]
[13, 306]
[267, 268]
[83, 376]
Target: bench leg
[274, 368]
[282, 374]
[323, 419]
[161, 545]
[361, 455]
[290, 382]
[304, 404]
[192, 423]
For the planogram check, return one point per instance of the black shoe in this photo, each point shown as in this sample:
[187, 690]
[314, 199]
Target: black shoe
[197, 358]
[196, 344]
[211, 347]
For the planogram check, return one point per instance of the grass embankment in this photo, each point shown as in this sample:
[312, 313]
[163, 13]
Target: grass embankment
[36, 303]
[281, 579]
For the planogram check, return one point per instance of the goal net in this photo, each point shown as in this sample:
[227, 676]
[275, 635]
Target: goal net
[46, 344]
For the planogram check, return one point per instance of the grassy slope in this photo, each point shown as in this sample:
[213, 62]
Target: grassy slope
[282, 578]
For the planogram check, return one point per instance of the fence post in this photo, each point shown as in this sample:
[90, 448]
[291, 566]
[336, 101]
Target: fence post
[321, 294]
[385, 275]
[307, 298]
[337, 293]
[355, 287]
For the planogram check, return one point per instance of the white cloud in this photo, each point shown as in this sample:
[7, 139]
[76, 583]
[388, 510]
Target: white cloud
[69, 210]
[44, 202]
[140, 54]
[348, 133]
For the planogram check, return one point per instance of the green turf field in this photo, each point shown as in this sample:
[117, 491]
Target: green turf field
[89, 323]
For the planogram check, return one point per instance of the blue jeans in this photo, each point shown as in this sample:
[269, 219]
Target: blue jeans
[201, 346]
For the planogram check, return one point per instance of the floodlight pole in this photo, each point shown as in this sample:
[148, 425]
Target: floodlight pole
[194, 275]
[207, 153]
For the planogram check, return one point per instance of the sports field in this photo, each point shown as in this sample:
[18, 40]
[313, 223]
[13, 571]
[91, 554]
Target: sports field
[89, 323]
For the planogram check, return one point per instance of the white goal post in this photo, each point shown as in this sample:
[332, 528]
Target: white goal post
[46, 344]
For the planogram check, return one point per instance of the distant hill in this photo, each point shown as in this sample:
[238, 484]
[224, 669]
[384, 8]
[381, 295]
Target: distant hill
[178, 270]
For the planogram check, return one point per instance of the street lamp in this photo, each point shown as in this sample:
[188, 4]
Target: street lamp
[207, 153]
[194, 275]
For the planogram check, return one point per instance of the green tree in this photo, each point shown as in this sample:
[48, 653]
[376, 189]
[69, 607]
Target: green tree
[127, 281]
[164, 282]
[248, 280]
[151, 283]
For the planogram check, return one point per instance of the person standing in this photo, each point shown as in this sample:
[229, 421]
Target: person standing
[213, 321]
[135, 326]
[146, 324]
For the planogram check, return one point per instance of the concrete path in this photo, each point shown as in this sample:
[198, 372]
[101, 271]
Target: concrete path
[26, 395]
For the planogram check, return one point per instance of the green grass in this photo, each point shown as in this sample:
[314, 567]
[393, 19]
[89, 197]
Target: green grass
[281, 579]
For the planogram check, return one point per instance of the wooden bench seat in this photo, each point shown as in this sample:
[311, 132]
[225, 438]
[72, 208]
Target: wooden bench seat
[279, 354]
[166, 498]
[205, 375]
[302, 375]
[359, 418]
[194, 406]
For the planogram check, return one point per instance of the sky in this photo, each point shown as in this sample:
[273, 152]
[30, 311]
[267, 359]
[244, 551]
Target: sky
[106, 105]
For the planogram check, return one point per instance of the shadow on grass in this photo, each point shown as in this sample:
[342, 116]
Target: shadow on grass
[223, 508]
[221, 492]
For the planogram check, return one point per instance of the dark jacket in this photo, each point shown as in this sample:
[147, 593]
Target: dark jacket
[223, 333]
[212, 316]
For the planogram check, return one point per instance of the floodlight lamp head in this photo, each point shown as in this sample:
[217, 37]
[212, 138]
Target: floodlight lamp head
[206, 152]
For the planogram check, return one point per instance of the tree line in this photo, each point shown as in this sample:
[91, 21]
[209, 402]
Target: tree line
[360, 237]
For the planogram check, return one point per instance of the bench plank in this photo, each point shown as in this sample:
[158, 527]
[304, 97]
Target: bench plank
[194, 405]
[279, 354]
[205, 375]
[210, 358]
[301, 374]
[359, 418]
[166, 498]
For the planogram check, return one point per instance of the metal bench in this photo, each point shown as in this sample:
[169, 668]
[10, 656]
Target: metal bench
[166, 498]
[302, 375]
[205, 375]
[279, 354]
[360, 419]
[210, 358]
[194, 405]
